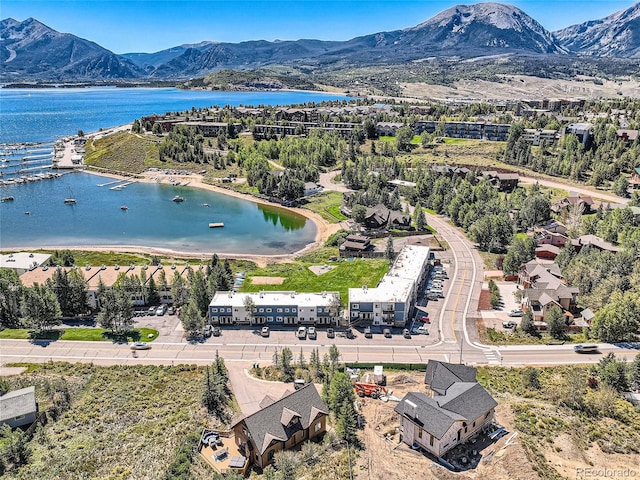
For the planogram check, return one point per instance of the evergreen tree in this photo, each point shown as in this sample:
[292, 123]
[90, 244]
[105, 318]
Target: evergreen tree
[389, 252]
[192, 321]
[555, 322]
[526, 324]
[346, 425]
[340, 390]
[42, 311]
[153, 297]
[10, 295]
[419, 218]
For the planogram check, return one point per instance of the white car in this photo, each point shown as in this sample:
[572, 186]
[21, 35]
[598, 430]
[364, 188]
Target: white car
[516, 312]
[302, 333]
[140, 346]
[422, 330]
[311, 332]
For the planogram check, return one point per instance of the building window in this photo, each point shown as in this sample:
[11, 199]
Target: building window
[419, 433]
[235, 310]
[214, 310]
[355, 306]
[261, 310]
[286, 310]
[431, 441]
[317, 427]
[312, 309]
[19, 417]
[293, 310]
[279, 310]
[268, 310]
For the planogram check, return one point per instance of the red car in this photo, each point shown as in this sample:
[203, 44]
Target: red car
[424, 319]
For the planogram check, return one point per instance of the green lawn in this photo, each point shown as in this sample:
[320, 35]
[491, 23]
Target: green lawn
[455, 141]
[298, 277]
[327, 205]
[80, 333]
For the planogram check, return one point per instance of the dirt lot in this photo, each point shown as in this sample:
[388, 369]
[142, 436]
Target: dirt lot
[385, 458]
[267, 280]
[522, 86]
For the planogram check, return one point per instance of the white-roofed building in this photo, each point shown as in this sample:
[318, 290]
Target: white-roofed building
[22, 262]
[392, 301]
[18, 407]
[274, 308]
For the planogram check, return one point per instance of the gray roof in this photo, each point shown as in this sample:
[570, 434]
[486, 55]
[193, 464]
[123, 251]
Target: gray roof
[441, 375]
[281, 419]
[463, 401]
[427, 413]
[467, 399]
[18, 402]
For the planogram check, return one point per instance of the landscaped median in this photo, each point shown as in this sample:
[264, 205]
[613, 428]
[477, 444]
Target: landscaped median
[80, 333]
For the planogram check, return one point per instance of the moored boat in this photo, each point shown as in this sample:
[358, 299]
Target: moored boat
[178, 198]
[7, 199]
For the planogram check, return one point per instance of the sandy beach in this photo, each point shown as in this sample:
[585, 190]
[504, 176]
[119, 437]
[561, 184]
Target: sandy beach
[323, 228]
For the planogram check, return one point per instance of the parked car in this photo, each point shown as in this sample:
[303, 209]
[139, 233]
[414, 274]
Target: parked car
[424, 318]
[216, 332]
[311, 332]
[171, 310]
[367, 332]
[422, 330]
[349, 333]
[509, 324]
[140, 346]
[331, 333]
[302, 333]
[161, 310]
[387, 332]
[207, 331]
[406, 333]
[432, 296]
[152, 310]
[264, 331]
[516, 312]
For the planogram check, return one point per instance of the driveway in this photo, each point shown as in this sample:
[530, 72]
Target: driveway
[250, 391]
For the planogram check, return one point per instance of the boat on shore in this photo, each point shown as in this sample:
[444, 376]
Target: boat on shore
[7, 199]
[178, 198]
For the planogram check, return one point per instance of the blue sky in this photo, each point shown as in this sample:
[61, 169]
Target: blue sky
[151, 25]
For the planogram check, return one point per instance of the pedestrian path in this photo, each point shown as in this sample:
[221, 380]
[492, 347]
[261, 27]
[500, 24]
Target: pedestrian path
[492, 357]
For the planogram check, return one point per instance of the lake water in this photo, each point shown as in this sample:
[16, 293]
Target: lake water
[43, 115]
[152, 218]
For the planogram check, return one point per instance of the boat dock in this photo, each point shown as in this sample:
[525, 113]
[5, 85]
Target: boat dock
[123, 185]
[109, 183]
[216, 225]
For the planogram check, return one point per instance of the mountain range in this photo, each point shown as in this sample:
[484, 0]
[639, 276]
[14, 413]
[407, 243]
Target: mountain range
[31, 51]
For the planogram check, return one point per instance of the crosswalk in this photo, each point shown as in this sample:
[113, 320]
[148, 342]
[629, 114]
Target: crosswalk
[492, 357]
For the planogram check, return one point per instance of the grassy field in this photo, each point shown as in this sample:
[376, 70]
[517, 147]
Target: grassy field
[124, 152]
[327, 205]
[80, 333]
[299, 278]
[562, 423]
[123, 422]
[83, 258]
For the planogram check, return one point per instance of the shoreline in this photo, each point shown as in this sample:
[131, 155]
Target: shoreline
[323, 228]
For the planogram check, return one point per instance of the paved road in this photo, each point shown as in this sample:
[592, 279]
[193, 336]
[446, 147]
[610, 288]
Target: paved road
[104, 353]
[596, 194]
[327, 183]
